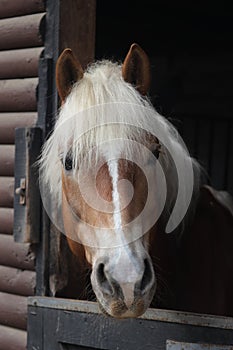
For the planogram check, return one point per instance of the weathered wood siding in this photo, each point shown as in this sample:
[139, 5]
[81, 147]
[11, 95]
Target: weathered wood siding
[21, 43]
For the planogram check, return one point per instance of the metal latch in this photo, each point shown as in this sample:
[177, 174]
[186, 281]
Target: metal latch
[21, 191]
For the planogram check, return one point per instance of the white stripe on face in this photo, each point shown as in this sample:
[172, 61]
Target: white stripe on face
[113, 171]
[125, 271]
[118, 268]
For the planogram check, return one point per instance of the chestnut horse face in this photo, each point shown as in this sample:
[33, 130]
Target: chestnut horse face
[122, 273]
[101, 168]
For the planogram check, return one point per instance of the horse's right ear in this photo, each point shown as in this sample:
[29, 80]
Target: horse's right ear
[136, 69]
[68, 72]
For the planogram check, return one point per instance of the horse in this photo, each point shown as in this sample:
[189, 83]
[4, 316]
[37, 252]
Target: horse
[123, 186]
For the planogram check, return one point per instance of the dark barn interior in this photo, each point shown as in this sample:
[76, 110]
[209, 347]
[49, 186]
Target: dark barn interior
[191, 53]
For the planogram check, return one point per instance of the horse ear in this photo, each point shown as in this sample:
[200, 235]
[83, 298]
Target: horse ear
[136, 69]
[68, 72]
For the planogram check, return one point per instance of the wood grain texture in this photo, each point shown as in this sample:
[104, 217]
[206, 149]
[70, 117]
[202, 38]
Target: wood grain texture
[17, 281]
[77, 28]
[6, 220]
[7, 158]
[20, 63]
[6, 191]
[13, 310]
[75, 329]
[18, 95]
[12, 338]
[10, 121]
[16, 254]
[20, 7]
[20, 32]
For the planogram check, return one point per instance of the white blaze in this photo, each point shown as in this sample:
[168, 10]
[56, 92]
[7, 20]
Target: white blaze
[113, 171]
[124, 272]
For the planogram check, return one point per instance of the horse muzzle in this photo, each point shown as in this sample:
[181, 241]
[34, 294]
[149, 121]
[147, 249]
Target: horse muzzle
[125, 294]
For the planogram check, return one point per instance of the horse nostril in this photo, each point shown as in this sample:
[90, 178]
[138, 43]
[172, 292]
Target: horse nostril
[147, 276]
[103, 280]
[100, 274]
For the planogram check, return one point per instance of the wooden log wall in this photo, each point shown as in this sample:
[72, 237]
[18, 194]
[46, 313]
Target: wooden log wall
[21, 43]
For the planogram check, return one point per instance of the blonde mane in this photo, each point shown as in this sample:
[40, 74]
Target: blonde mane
[102, 107]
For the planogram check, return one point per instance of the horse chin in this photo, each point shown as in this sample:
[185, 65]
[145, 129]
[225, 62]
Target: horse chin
[118, 309]
[114, 306]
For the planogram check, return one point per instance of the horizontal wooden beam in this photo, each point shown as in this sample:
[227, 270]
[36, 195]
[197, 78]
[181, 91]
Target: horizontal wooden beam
[149, 331]
[23, 31]
[6, 191]
[12, 338]
[13, 310]
[152, 314]
[20, 7]
[10, 121]
[20, 63]
[17, 281]
[18, 95]
[15, 254]
[6, 220]
[7, 159]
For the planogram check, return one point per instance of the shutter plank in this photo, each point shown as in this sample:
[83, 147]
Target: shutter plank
[27, 206]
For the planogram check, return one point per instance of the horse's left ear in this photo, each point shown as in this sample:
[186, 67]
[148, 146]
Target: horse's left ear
[68, 72]
[136, 69]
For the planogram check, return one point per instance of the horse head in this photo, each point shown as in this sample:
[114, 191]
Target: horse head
[103, 162]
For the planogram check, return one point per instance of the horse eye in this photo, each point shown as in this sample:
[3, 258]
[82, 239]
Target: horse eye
[68, 164]
[157, 150]
[156, 153]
